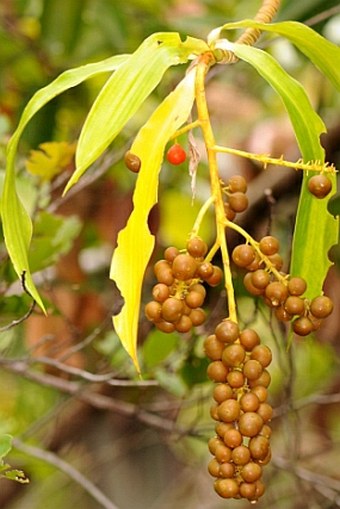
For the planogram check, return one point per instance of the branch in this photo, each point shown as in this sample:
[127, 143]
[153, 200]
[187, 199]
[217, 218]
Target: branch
[95, 399]
[66, 468]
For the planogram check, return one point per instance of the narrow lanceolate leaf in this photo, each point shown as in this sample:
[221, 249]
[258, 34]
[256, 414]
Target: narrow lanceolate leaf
[315, 229]
[324, 54]
[126, 90]
[17, 225]
[135, 242]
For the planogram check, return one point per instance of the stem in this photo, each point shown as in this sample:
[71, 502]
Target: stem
[203, 210]
[203, 65]
[255, 245]
[186, 128]
[266, 160]
[265, 14]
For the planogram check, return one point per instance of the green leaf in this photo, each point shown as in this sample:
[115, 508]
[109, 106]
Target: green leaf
[53, 237]
[17, 225]
[316, 230]
[324, 54]
[157, 347]
[135, 242]
[5, 445]
[126, 90]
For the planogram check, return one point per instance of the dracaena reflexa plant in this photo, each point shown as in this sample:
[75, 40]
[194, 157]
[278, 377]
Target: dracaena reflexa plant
[238, 360]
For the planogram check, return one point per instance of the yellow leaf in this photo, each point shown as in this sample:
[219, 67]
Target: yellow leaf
[135, 242]
[51, 159]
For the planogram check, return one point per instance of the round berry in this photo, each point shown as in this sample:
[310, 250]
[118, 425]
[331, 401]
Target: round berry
[303, 326]
[240, 455]
[197, 247]
[249, 339]
[238, 202]
[251, 472]
[259, 447]
[176, 154]
[237, 183]
[321, 306]
[260, 279]
[160, 292]
[233, 355]
[294, 305]
[222, 392]
[262, 354]
[197, 316]
[229, 410]
[153, 311]
[170, 253]
[205, 270]
[252, 369]
[222, 453]
[249, 402]
[227, 331]
[277, 293]
[235, 379]
[297, 286]
[269, 245]
[217, 372]
[172, 309]
[184, 267]
[213, 348]
[232, 438]
[165, 326]
[227, 470]
[320, 186]
[248, 283]
[184, 324]
[230, 214]
[216, 277]
[226, 488]
[163, 272]
[243, 255]
[214, 467]
[132, 162]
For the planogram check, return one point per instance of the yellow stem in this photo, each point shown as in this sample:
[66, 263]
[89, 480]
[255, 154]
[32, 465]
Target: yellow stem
[203, 210]
[265, 160]
[186, 128]
[204, 63]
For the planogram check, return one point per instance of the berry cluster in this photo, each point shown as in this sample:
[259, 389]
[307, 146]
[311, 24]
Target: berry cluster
[236, 199]
[280, 292]
[241, 446]
[179, 293]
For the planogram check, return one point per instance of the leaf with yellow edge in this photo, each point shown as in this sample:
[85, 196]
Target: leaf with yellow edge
[51, 159]
[135, 242]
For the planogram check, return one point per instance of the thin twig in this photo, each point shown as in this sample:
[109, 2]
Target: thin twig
[66, 468]
[95, 399]
[16, 322]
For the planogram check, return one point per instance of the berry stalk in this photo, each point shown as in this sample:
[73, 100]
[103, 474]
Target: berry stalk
[203, 66]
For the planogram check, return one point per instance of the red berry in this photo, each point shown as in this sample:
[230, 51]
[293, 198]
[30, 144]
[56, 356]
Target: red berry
[176, 154]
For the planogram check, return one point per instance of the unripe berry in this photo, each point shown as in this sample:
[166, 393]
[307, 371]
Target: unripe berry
[176, 154]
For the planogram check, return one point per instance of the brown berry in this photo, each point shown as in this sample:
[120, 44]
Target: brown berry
[249, 339]
[251, 472]
[184, 267]
[160, 292]
[263, 354]
[217, 372]
[233, 355]
[240, 455]
[196, 247]
[170, 253]
[132, 161]
[229, 410]
[216, 277]
[269, 245]
[277, 293]
[172, 309]
[320, 186]
[260, 279]
[243, 255]
[297, 286]
[303, 326]
[227, 331]
[213, 348]
[250, 424]
[321, 306]
[153, 311]
[238, 201]
[205, 270]
[226, 488]
[253, 290]
[222, 392]
[237, 183]
[294, 305]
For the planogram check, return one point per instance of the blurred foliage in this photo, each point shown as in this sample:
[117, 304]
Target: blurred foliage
[38, 40]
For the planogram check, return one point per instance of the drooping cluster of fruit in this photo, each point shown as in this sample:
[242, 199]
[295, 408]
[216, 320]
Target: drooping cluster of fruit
[282, 293]
[241, 446]
[179, 293]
